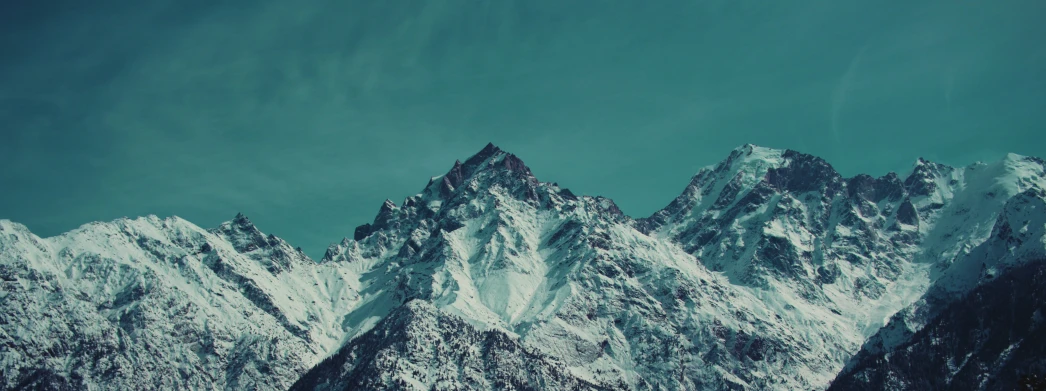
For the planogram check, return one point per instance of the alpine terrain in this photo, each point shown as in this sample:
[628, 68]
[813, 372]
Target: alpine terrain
[770, 271]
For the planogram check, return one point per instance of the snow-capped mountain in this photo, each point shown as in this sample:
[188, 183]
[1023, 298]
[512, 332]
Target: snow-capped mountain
[163, 304]
[990, 339]
[441, 350]
[769, 271]
[980, 326]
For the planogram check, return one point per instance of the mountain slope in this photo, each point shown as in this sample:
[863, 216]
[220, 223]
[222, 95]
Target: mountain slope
[813, 263]
[572, 277]
[978, 326]
[991, 339]
[162, 304]
[418, 345]
[769, 271]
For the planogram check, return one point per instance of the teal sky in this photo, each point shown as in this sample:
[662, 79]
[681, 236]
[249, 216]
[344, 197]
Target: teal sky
[307, 115]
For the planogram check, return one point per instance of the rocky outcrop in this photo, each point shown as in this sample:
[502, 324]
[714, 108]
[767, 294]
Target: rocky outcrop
[769, 271]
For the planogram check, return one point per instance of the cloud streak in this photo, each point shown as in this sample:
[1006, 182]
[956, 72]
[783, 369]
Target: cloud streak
[841, 90]
[307, 117]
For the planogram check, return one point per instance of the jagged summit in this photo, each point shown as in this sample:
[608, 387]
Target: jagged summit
[489, 167]
[274, 253]
[785, 169]
[489, 158]
[242, 220]
[239, 225]
[758, 171]
[769, 272]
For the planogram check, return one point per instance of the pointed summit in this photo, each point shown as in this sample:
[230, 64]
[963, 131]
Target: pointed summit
[486, 153]
[244, 235]
[751, 157]
[803, 173]
[241, 220]
[490, 157]
[925, 174]
[785, 169]
[494, 157]
[489, 167]
[239, 224]
[489, 149]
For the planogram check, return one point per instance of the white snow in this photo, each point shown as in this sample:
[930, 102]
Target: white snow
[569, 279]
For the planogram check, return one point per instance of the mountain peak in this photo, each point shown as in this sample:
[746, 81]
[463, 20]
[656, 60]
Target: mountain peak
[1013, 159]
[784, 169]
[750, 148]
[926, 164]
[241, 224]
[487, 152]
[749, 155]
[242, 220]
[802, 173]
[490, 147]
[492, 280]
[490, 157]
[1028, 166]
[925, 174]
[243, 234]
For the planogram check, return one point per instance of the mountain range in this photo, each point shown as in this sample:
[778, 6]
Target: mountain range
[770, 271]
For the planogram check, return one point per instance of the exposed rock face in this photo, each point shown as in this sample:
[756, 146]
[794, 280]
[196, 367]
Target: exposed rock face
[814, 248]
[156, 304]
[979, 327]
[991, 339]
[789, 217]
[769, 271]
[440, 352]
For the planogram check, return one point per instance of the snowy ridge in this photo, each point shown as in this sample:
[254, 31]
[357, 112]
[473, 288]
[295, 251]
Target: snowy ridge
[769, 271]
[972, 331]
[418, 346]
[1017, 242]
[93, 307]
[813, 255]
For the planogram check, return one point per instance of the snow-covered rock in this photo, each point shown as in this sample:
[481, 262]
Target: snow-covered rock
[157, 303]
[992, 338]
[979, 326]
[769, 271]
[420, 347]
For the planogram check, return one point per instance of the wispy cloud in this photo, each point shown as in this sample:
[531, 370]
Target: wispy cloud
[842, 88]
[312, 114]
